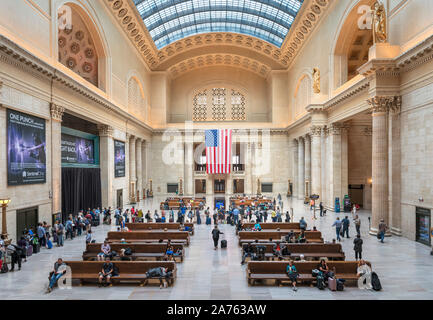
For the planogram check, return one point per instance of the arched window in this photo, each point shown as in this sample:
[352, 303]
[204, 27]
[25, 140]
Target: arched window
[77, 49]
[136, 100]
[219, 104]
[302, 96]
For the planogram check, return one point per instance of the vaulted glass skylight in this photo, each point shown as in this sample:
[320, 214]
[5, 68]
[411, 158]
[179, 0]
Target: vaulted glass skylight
[171, 20]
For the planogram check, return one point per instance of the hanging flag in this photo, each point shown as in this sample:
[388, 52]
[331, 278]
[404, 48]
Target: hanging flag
[218, 150]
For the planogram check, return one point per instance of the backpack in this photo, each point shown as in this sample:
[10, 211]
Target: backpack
[320, 282]
[115, 270]
[128, 252]
[375, 282]
[340, 284]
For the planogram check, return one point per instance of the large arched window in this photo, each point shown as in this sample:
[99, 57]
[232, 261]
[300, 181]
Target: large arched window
[136, 99]
[302, 97]
[219, 104]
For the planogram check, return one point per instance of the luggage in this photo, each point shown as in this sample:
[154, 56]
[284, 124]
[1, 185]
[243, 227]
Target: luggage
[36, 247]
[4, 267]
[171, 220]
[340, 284]
[375, 282]
[315, 272]
[208, 221]
[29, 251]
[158, 220]
[320, 282]
[332, 284]
[279, 219]
[223, 243]
[49, 244]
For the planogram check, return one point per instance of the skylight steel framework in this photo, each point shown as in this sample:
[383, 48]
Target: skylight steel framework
[170, 20]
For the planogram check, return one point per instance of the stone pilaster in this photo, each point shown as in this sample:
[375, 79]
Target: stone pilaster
[249, 190]
[334, 165]
[307, 139]
[138, 169]
[395, 172]
[344, 162]
[189, 167]
[316, 160]
[301, 168]
[132, 170]
[56, 112]
[323, 166]
[144, 168]
[380, 106]
[106, 150]
[295, 168]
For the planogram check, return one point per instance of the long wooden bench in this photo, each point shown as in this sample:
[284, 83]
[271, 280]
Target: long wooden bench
[159, 226]
[276, 270]
[129, 271]
[250, 236]
[181, 237]
[313, 251]
[140, 251]
[273, 225]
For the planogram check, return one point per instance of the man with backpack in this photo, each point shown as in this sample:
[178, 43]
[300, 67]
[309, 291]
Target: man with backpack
[106, 273]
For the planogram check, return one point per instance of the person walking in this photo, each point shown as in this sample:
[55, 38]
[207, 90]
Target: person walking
[321, 208]
[337, 224]
[357, 247]
[357, 224]
[346, 224]
[382, 229]
[216, 236]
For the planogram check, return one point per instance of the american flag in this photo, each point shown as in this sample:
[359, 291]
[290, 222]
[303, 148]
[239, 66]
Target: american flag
[218, 150]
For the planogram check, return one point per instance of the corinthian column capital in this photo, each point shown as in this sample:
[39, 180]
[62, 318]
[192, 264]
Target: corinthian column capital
[380, 104]
[56, 112]
[105, 130]
[335, 129]
[316, 131]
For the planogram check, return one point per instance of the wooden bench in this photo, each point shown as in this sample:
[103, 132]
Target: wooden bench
[150, 236]
[158, 226]
[140, 251]
[276, 270]
[250, 236]
[273, 225]
[129, 271]
[313, 251]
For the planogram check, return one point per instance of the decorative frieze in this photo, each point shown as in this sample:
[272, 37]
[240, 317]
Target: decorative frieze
[379, 104]
[56, 112]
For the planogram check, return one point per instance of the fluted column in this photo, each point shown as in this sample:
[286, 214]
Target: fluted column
[56, 157]
[249, 190]
[295, 168]
[143, 168]
[334, 161]
[324, 167]
[189, 167]
[132, 170]
[107, 165]
[138, 168]
[301, 168]
[380, 106]
[308, 162]
[316, 160]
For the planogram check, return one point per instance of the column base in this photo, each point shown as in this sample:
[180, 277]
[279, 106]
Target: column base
[396, 231]
[374, 231]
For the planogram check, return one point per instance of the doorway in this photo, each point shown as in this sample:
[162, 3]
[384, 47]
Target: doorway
[423, 217]
[27, 219]
[220, 186]
[119, 198]
[220, 203]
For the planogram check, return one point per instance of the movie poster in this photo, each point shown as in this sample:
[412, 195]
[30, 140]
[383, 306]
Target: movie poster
[26, 148]
[77, 150]
[119, 159]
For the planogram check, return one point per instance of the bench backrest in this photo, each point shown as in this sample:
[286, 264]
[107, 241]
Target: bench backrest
[269, 267]
[125, 267]
[135, 247]
[276, 235]
[144, 235]
[157, 226]
[274, 225]
[305, 247]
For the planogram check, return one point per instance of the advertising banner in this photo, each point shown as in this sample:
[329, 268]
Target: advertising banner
[119, 159]
[26, 147]
[77, 150]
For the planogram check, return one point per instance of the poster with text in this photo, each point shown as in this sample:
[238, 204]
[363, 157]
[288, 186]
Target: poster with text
[77, 150]
[119, 159]
[26, 147]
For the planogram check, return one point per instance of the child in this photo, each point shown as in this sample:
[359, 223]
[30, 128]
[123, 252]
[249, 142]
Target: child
[89, 237]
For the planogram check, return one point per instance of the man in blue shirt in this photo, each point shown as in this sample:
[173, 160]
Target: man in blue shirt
[346, 224]
[236, 215]
[337, 224]
[41, 235]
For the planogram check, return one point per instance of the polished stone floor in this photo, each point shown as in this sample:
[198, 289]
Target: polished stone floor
[404, 267]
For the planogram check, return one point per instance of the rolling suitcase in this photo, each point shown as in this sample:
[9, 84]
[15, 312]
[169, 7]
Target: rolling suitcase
[29, 251]
[208, 221]
[332, 284]
[340, 284]
[223, 244]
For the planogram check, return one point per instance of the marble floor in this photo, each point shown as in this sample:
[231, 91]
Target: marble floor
[404, 267]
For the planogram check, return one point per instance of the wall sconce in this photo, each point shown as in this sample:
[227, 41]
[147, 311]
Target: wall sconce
[4, 204]
[370, 181]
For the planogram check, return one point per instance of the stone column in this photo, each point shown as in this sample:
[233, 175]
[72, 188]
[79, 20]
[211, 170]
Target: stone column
[334, 164]
[380, 105]
[323, 167]
[344, 163]
[249, 190]
[138, 168]
[308, 162]
[189, 167]
[316, 161]
[107, 164]
[395, 172]
[132, 170]
[295, 168]
[56, 157]
[301, 168]
[143, 168]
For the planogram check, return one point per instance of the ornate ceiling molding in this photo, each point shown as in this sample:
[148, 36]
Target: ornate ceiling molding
[418, 55]
[219, 59]
[128, 17]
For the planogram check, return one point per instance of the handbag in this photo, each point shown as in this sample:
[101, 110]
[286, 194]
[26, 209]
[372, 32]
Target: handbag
[315, 272]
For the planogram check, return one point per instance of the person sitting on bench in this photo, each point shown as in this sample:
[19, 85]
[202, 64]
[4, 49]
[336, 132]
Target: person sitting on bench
[301, 238]
[56, 274]
[257, 227]
[324, 269]
[105, 251]
[248, 251]
[292, 273]
[169, 251]
[159, 272]
[106, 272]
[290, 237]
